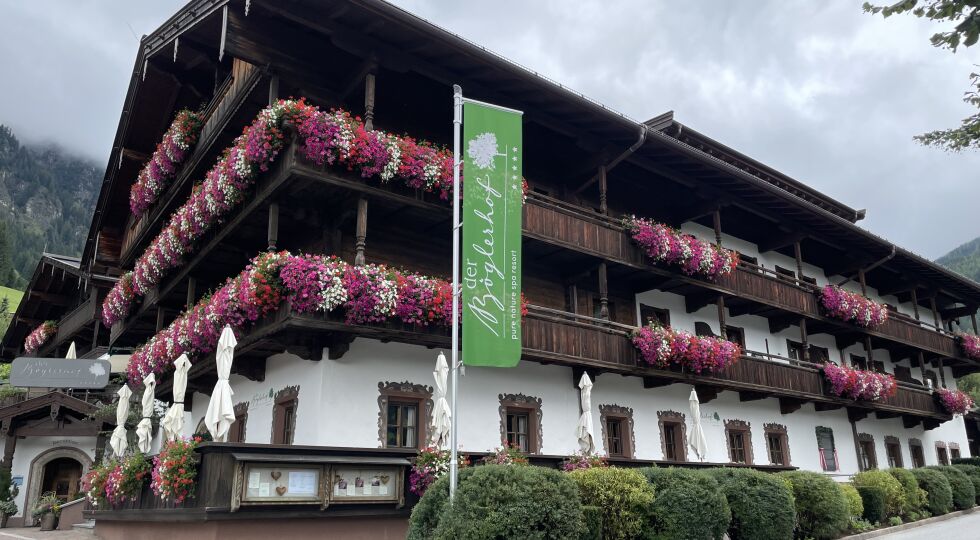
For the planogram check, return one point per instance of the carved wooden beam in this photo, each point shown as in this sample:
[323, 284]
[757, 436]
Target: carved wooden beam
[706, 394]
[789, 405]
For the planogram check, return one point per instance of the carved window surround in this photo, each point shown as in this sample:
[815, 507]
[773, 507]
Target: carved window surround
[284, 399]
[607, 412]
[530, 405]
[745, 428]
[237, 432]
[668, 417]
[405, 392]
[780, 431]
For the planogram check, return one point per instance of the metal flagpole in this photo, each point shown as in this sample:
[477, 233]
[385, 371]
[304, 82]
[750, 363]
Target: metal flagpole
[453, 444]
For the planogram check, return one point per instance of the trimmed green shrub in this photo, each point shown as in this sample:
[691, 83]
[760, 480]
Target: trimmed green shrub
[688, 504]
[821, 510]
[761, 504]
[501, 501]
[894, 521]
[973, 472]
[891, 489]
[855, 507]
[975, 460]
[592, 516]
[622, 496]
[873, 498]
[939, 494]
[913, 495]
[964, 496]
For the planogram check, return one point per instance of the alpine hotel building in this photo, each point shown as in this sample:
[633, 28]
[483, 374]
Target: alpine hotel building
[344, 382]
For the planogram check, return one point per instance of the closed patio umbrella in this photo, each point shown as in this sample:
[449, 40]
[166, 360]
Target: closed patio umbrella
[221, 411]
[118, 441]
[441, 416]
[586, 439]
[144, 430]
[173, 421]
[695, 437]
[71, 351]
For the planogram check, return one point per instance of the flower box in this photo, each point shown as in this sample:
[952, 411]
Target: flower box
[860, 384]
[970, 345]
[954, 401]
[39, 336]
[852, 307]
[666, 348]
[668, 246]
[165, 163]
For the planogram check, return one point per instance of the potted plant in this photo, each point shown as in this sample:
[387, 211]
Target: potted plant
[8, 492]
[47, 509]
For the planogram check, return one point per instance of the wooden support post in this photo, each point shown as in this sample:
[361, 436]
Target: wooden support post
[360, 232]
[915, 304]
[717, 223]
[864, 284]
[935, 312]
[159, 319]
[369, 101]
[942, 375]
[603, 292]
[870, 352]
[798, 252]
[922, 368]
[191, 293]
[573, 298]
[95, 332]
[273, 236]
[9, 444]
[722, 323]
[973, 319]
[603, 191]
[273, 89]
[804, 340]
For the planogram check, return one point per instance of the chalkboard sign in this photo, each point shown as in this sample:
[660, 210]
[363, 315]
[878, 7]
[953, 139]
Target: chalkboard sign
[59, 373]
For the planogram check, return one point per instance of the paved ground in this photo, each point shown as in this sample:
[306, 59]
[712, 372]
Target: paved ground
[959, 528]
[34, 533]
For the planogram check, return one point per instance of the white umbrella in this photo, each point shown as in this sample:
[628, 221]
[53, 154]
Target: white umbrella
[695, 437]
[441, 417]
[584, 429]
[221, 411]
[144, 430]
[71, 351]
[118, 441]
[173, 421]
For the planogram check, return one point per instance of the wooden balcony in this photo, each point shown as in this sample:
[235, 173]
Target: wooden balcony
[79, 319]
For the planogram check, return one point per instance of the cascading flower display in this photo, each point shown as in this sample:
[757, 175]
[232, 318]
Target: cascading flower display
[955, 401]
[126, 479]
[163, 166]
[430, 465]
[668, 246]
[333, 138]
[661, 346]
[970, 344]
[859, 384]
[583, 461]
[174, 470]
[94, 482]
[368, 294]
[852, 307]
[118, 300]
[39, 336]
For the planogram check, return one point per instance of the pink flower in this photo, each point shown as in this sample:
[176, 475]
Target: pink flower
[859, 384]
[970, 345]
[955, 401]
[661, 346]
[39, 336]
[163, 165]
[852, 307]
[667, 246]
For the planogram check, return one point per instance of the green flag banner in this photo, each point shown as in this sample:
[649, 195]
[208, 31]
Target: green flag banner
[490, 276]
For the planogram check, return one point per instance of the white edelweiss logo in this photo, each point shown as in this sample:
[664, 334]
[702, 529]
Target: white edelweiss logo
[483, 149]
[96, 369]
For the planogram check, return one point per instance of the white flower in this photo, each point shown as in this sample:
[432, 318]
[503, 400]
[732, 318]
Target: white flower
[482, 150]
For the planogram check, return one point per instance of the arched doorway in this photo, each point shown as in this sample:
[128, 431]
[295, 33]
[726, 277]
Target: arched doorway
[57, 469]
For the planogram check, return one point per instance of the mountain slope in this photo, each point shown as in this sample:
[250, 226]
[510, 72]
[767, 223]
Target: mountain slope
[964, 259]
[46, 201]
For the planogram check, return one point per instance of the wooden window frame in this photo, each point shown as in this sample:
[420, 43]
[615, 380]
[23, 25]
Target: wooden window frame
[284, 399]
[405, 392]
[942, 453]
[866, 442]
[914, 444]
[739, 427]
[779, 431]
[660, 314]
[748, 259]
[818, 354]
[892, 443]
[858, 362]
[520, 403]
[627, 436]
[792, 345]
[833, 449]
[241, 420]
[673, 418]
[737, 331]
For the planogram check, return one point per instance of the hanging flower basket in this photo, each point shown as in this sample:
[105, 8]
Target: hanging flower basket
[954, 401]
[667, 246]
[852, 307]
[39, 336]
[664, 347]
[859, 384]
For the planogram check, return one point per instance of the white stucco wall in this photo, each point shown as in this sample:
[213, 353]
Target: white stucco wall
[29, 448]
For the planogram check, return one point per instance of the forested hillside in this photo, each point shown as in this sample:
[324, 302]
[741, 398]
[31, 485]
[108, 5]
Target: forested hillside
[46, 201]
[964, 259]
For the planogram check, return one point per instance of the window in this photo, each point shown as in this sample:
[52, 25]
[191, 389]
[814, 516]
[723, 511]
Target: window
[617, 430]
[819, 355]
[915, 450]
[236, 433]
[825, 444]
[673, 435]
[738, 433]
[777, 443]
[748, 259]
[942, 456]
[932, 378]
[859, 362]
[657, 315]
[735, 335]
[794, 349]
[954, 451]
[403, 414]
[903, 374]
[284, 415]
[893, 450]
[867, 459]
[808, 279]
[520, 422]
[786, 272]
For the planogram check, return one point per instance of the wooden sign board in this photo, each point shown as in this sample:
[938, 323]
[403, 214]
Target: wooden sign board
[59, 373]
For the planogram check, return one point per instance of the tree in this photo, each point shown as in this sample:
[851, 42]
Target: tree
[971, 385]
[6, 265]
[965, 15]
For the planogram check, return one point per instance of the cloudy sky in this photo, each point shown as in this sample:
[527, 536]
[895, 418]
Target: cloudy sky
[820, 91]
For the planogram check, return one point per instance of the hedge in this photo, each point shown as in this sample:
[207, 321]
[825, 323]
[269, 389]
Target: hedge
[592, 516]
[891, 490]
[855, 507]
[913, 495]
[964, 496]
[623, 497]
[973, 472]
[821, 510]
[501, 501]
[975, 460]
[939, 494]
[761, 504]
[688, 504]
[873, 498]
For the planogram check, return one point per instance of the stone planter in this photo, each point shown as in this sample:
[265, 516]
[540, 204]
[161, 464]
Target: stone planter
[49, 522]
